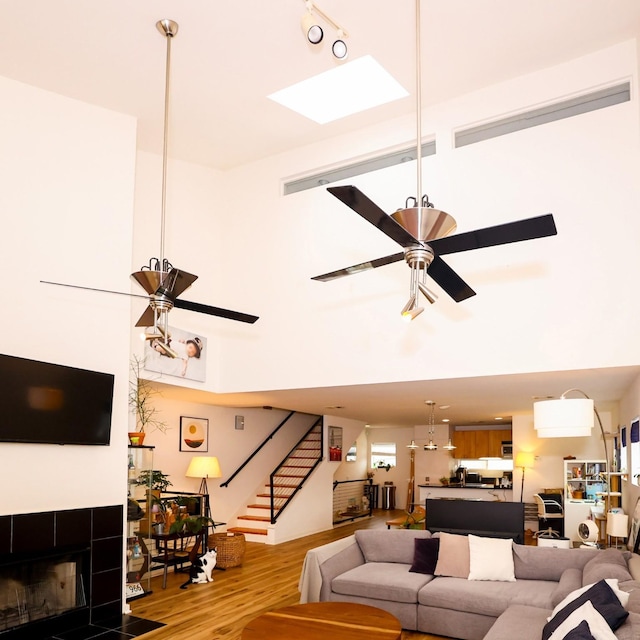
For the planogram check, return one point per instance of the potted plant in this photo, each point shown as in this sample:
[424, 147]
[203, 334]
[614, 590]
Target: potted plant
[155, 482]
[141, 393]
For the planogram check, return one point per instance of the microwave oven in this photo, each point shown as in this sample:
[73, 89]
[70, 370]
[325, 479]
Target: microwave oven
[506, 450]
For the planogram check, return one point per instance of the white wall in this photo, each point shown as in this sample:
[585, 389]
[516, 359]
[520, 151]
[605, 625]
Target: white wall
[535, 309]
[353, 431]
[67, 203]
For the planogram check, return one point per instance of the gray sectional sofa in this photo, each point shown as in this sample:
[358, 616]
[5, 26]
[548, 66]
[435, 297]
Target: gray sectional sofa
[374, 570]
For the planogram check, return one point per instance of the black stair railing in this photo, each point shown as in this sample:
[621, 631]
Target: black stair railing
[258, 449]
[275, 513]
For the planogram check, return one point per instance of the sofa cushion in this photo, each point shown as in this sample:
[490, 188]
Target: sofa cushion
[519, 622]
[491, 559]
[381, 581]
[592, 623]
[486, 598]
[547, 563]
[609, 563]
[603, 599]
[453, 556]
[425, 555]
[389, 545]
[634, 566]
[570, 581]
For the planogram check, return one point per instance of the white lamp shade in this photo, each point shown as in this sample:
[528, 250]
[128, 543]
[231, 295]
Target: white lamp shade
[617, 525]
[204, 467]
[524, 459]
[564, 418]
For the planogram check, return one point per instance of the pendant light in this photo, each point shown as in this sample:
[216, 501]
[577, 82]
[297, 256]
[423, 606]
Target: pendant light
[431, 445]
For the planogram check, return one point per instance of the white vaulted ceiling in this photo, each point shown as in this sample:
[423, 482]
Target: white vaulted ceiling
[229, 55]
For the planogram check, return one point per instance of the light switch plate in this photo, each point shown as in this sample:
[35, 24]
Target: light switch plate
[239, 423]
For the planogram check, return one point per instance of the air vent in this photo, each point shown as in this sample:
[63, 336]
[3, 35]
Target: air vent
[558, 111]
[358, 168]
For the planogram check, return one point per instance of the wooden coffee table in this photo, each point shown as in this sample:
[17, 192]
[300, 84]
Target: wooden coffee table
[322, 620]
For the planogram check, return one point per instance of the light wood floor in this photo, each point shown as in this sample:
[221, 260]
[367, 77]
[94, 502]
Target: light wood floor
[268, 579]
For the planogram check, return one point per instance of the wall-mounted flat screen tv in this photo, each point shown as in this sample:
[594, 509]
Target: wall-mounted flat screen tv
[53, 404]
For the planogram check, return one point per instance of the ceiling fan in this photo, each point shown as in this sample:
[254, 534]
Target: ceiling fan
[423, 231]
[163, 282]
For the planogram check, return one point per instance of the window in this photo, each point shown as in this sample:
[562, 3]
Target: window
[624, 461]
[635, 451]
[383, 454]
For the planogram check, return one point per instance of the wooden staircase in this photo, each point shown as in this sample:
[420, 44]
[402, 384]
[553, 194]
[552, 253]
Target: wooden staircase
[288, 478]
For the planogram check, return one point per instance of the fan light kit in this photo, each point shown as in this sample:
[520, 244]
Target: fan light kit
[162, 282]
[315, 33]
[423, 231]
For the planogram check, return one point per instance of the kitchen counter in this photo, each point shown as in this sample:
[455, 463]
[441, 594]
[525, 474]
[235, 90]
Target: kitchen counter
[477, 492]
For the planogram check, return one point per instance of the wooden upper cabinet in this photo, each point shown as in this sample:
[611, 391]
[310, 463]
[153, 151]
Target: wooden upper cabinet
[476, 444]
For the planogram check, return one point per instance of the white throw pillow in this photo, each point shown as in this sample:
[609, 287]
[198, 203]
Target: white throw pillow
[491, 559]
[598, 626]
[623, 596]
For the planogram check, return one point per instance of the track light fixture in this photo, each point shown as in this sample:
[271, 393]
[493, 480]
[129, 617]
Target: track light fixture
[311, 29]
[314, 33]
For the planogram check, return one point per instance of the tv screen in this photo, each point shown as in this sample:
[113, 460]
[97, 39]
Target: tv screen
[53, 404]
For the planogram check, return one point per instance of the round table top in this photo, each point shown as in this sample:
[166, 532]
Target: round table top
[315, 620]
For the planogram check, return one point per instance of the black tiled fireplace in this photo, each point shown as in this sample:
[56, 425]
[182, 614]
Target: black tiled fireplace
[59, 570]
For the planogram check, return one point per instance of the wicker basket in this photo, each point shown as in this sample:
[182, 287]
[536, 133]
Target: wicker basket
[230, 548]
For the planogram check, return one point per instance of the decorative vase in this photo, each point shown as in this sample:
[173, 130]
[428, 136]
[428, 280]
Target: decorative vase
[136, 438]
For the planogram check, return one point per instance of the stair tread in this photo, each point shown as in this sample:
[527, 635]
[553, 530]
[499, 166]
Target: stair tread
[283, 486]
[260, 506]
[255, 518]
[268, 495]
[250, 530]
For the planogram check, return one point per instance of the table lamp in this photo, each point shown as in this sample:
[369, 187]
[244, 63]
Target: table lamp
[617, 525]
[524, 460]
[204, 467]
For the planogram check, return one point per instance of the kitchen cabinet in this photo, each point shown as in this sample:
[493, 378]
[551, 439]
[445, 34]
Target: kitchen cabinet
[479, 443]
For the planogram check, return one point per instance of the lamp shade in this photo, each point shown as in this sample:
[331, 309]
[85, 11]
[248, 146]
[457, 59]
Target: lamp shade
[204, 467]
[617, 525]
[524, 459]
[564, 418]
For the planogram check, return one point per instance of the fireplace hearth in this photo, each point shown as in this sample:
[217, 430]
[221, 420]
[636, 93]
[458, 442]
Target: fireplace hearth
[60, 570]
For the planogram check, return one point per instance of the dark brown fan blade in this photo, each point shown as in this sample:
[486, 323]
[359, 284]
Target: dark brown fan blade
[357, 268]
[214, 311]
[146, 319]
[449, 280]
[529, 229]
[177, 282]
[372, 213]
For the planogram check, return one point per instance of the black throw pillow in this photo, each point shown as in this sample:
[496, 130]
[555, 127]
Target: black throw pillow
[425, 555]
[604, 601]
[581, 632]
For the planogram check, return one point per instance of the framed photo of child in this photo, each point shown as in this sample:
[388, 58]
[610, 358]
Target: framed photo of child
[183, 355]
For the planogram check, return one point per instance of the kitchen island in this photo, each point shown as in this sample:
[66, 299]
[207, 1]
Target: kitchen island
[455, 492]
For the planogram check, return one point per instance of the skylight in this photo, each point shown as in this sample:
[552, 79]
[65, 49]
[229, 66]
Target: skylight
[347, 89]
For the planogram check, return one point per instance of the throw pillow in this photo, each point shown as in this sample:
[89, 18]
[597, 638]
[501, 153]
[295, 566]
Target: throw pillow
[425, 556]
[453, 556]
[584, 623]
[622, 596]
[491, 559]
[604, 601]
